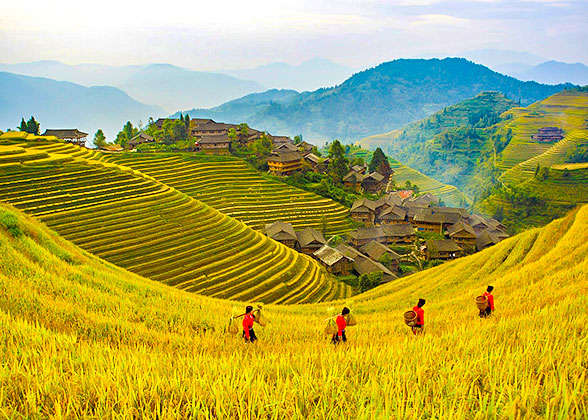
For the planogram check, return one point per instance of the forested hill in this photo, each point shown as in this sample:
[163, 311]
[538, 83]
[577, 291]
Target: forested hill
[382, 98]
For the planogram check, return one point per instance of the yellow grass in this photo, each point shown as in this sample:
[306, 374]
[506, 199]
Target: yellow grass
[81, 338]
[570, 166]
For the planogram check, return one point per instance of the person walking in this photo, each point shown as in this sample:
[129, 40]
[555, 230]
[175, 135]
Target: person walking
[490, 308]
[248, 321]
[420, 321]
[341, 322]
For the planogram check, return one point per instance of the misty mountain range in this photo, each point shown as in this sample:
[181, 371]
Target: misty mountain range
[352, 107]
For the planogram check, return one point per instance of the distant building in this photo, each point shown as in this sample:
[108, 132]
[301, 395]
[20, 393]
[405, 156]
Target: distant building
[463, 234]
[377, 251]
[305, 147]
[310, 240]
[399, 234]
[284, 163]
[282, 232]
[284, 147]
[486, 239]
[215, 144]
[71, 135]
[374, 182]
[363, 211]
[360, 169]
[549, 135]
[353, 181]
[393, 215]
[362, 236]
[141, 138]
[367, 266]
[435, 219]
[445, 249]
[334, 261]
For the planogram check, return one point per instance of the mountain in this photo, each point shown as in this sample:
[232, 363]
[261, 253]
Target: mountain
[309, 75]
[168, 86]
[67, 105]
[501, 60]
[447, 144]
[245, 108]
[176, 88]
[384, 98]
[553, 72]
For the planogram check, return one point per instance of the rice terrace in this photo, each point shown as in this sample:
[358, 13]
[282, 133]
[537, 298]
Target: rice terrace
[341, 210]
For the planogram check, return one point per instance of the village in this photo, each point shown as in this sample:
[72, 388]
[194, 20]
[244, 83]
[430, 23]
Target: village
[396, 231]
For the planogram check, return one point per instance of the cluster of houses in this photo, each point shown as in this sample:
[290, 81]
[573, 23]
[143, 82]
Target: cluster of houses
[341, 260]
[71, 135]
[359, 179]
[401, 210]
[548, 135]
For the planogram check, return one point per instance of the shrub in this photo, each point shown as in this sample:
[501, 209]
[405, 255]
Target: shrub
[10, 222]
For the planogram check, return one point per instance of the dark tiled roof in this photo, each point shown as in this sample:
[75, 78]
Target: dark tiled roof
[65, 133]
[368, 205]
[280, 231]
[432, 215]
[308, 236]
[330, 256]
[349, 251]
[284, 157]
[368, 233]
[353, 177]
[376, 250]
[214, 139]
[367, 265]
[443, 245]
[311, 157]
[376, 176]
[459, 227]
[393, 213]
[401, 229]
[142, 138]
[486, 238]
[285, 147]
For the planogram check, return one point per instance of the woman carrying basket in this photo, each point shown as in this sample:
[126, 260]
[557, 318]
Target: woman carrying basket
[341, 322]
[490, 308]
[420, 321]
[248, 321]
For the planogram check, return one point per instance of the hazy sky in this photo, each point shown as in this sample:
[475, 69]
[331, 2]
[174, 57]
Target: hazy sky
[217, 34]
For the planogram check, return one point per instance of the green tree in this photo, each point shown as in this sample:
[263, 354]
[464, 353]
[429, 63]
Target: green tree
[23, 126]
[233, 135]
[377, 160]
[243, 131]
[298, 139]
[99, 139]
[126, 134]
[368, 281]
[262, 147]
[33, 126]
[339, 164]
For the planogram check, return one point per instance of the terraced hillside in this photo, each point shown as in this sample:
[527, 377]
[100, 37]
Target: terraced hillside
[233, 188]
[154, 230]
[81, 338]
[450, 195]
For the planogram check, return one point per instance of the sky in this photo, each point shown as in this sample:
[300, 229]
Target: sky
[227, 34]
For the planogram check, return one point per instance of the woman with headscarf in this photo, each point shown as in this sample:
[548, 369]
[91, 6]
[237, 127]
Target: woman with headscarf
[420, 321]
[341, 322]
[248, 321]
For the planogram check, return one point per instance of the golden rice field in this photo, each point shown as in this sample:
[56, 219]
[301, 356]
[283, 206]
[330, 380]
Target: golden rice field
[132, 220]
[81, 338]
[233, 188]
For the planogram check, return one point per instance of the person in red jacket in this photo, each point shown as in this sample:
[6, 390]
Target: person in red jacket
[341, 322]
[248, 321]
[420, 322]
[490, 308]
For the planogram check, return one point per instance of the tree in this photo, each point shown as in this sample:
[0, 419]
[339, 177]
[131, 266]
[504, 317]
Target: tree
[32, 126]
[298, 139]
[368, 281]
[99, 139]
[339, 165]
[232, 135]
[262, 147]
[23, 125]
[187, 122]
[377, 160]
[126, 134]
[243, 131]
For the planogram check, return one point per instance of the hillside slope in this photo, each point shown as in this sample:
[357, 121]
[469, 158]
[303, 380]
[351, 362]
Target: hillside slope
[67, 105]
[152, 229]
[81, 338]
[385, 98]
[233, 188]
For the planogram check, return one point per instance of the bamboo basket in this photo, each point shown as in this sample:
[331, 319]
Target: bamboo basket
[331, 327]
[410, 318]
[259, 318]
[351, 320]
[482, 302]
[234, 326]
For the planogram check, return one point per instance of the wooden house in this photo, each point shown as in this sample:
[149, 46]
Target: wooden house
[393, 216]
[486, 239]
[334, 261]
[353, 180]
[549, 135]
[378, 252]
[363, 265]
[386, 202]
[445, 249]
[141, 138]
[463, 234]
[399, 234]
[362, 236]
[433, 220]
[305, 147]
[284, 163]
[313, 160]
[71, 135]
[284, 147]
[374, 182]
[215, 144]
[349, 251]
[309, 241]
[363, 211]
[208, 127]
[360, 169]
[282, 232]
